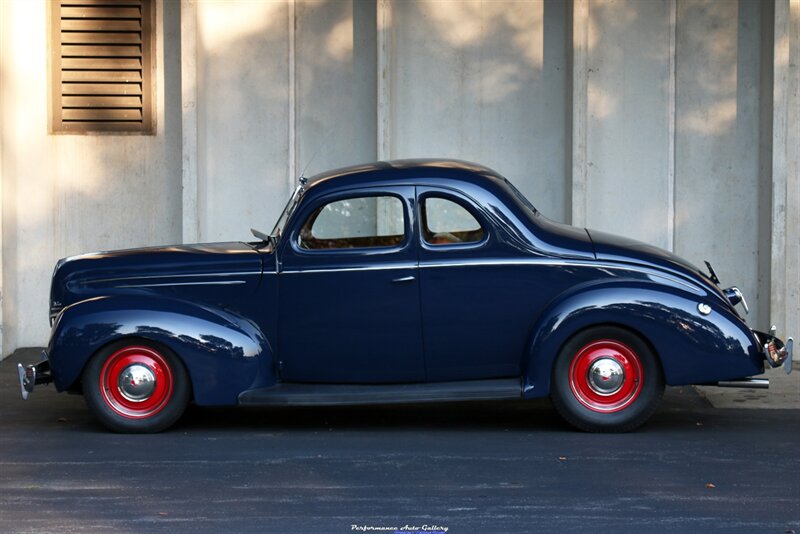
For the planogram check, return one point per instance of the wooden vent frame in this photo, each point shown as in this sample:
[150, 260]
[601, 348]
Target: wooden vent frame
[101, 58]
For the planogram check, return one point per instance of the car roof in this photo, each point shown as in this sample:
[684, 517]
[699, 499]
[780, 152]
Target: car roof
[411, 171]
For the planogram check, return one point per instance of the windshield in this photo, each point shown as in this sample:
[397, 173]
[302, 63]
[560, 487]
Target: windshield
[287, 211]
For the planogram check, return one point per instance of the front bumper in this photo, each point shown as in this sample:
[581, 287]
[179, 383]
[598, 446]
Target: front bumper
[775, 352]
[32, 375]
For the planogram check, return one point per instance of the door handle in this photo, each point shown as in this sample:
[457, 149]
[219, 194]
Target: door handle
[403, 279]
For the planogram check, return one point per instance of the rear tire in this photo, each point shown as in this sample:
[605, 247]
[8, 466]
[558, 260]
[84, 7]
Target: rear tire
[606, 379]
[136, 386]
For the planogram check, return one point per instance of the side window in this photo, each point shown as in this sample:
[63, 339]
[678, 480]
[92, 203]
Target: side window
[445, 222]
[361, 222]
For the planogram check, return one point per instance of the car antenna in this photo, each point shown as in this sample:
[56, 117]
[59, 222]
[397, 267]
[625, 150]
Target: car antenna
[302, 179]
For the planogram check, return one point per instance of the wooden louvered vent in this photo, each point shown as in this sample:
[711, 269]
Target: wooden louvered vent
[101, 66]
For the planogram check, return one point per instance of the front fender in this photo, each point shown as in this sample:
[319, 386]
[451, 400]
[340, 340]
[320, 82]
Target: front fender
[692, 348]
[223, 352]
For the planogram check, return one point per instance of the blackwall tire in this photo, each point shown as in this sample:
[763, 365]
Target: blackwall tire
[606, 379]
[136, 386]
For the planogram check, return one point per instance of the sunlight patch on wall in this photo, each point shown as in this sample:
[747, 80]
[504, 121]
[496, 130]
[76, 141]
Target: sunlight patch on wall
[602, 104]
[223, 22]
[497, 81]
[717, 119]
[26, 120]
[464, 24]
[339, 42]
[625, 12]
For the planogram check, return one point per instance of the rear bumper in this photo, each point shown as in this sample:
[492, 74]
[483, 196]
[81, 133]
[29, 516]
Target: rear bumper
[32, 375]
[775, 352]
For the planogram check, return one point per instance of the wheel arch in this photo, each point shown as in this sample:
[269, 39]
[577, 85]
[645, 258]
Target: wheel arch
[223, 353]
[690, 348]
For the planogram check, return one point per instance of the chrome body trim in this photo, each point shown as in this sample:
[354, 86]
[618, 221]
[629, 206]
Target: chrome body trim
[208, 283]
[392, 267]
[159, 276]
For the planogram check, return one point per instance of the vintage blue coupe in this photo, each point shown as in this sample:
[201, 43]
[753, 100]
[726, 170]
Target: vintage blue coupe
[396, 282]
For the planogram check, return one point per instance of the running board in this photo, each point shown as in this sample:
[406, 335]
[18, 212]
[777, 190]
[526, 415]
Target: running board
[293, 394]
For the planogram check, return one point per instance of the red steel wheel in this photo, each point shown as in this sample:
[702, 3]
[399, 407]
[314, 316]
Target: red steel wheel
[136, 385]
[606, 379]
[606, 376]
[136, 382]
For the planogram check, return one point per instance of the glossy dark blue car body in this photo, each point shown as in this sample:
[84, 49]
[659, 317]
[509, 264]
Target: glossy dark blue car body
[247, 317]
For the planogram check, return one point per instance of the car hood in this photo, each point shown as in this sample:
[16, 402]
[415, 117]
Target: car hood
[610, 247]
[153, 268]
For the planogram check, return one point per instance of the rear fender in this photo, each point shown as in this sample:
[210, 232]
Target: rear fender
[223, 352]
[691, 347]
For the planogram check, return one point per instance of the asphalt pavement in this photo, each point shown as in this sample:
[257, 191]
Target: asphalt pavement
[467, 467]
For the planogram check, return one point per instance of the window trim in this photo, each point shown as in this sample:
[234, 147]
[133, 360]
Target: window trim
[148, 124]
[465, 203]
[345, 195]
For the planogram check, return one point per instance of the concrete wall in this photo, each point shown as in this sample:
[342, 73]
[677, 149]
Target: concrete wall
[717, 157]
[785, 168]
[68, 194]
[671, 133]
[243, 112]
[486, 82]
[629, 130]
[674, 122]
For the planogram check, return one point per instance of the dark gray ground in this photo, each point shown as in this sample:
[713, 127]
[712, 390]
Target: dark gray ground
[477, 468]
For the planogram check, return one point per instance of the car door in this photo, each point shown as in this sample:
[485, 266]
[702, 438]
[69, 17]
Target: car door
[349, 293]
[476, 307]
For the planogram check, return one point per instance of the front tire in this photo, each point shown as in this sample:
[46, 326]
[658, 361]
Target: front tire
[136, 386]
[606, 379]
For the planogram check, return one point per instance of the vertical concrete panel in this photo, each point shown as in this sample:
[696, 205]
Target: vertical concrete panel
[243, 116]
[190, 220]
[792, 265]
[578, 104]
[2, 283]
[484, 81]
[785, 223]
[628, 141]
[766, 108]
[336, 60]
[717, 140]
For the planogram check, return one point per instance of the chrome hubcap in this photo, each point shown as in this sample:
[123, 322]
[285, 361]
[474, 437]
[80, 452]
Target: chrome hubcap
[137, 382]
[606, 376]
